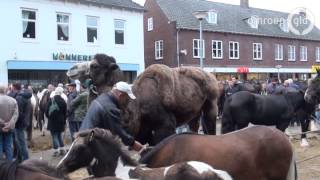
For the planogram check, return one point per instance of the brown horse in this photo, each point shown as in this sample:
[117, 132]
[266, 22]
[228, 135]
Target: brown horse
[29, 170]
[169, 97]
[253, 153]
[101, 151]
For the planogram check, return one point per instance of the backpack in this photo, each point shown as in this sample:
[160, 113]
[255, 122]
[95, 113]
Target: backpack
[53, 107]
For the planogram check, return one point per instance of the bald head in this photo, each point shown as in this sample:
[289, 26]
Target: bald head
[3, 89]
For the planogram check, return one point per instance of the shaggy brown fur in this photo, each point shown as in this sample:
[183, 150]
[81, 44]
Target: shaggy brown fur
[169, 97]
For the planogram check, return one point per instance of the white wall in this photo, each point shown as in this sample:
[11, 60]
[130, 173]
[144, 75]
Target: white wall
[46, 42]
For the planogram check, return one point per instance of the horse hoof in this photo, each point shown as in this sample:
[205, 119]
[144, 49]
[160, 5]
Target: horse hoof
[304, 143]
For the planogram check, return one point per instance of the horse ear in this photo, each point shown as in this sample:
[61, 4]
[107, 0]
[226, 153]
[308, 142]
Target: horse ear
[113, 66]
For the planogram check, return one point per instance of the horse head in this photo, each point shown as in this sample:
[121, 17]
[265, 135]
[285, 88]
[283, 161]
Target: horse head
[79, 71]
[104, 70]
[98, 149]
[312, 94]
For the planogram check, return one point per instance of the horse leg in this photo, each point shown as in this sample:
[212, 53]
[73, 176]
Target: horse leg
[304, 121]
[210, 111]
[166, 129]
[194, 124]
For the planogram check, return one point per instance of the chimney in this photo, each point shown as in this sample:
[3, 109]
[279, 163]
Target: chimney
[244, 3]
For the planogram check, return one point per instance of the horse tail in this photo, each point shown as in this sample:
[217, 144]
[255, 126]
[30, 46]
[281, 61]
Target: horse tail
[228, 124]
[292, 173]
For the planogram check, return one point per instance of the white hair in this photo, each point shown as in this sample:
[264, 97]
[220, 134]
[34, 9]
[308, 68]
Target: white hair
[58, 91]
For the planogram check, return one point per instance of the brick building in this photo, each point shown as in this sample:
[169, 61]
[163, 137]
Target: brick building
[237, 39]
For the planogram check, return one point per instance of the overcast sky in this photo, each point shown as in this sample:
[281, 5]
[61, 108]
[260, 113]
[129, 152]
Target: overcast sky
[278, 5]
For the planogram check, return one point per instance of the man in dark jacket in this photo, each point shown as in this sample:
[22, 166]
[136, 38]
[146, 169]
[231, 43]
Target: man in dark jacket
[104, 112]
[22, 98]
[233, 87]
[73, 124]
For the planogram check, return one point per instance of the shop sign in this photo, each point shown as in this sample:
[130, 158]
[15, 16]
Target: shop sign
[71, 57]
[242, 69]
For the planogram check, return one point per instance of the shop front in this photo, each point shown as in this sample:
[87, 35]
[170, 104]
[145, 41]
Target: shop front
[41, 73]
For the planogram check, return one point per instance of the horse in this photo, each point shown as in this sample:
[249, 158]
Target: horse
[257, 152]
[243, 108]
[29, 169]
[312, 94]
[166, 97]
[103, 152]
[44, 97]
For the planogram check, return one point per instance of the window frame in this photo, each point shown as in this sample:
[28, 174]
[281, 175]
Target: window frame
[97, 29]
[278, 52]
[255, 51]
[198, 48]
[69, 27]
[158, 49]
[234, 50]
[212, 17]
[290, 52]
[303, 53]
[317, 54]
[150, 24]
[217, 49]
[29, 20]
[124, 31]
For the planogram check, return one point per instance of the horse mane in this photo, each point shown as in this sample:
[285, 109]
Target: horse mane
[147, 157]
[113, 141]
[42, 167]
[8, 169]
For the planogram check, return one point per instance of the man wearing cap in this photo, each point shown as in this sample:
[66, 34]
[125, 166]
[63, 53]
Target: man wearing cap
[73, 124]
[104, 112]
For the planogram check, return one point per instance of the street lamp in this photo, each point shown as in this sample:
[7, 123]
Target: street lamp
[200, 15]
[279, 67]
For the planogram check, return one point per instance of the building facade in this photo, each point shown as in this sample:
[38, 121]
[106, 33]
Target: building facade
[43, 39]
[236, 41]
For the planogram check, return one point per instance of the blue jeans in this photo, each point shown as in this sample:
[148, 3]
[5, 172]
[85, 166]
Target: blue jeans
[6, 143]
[74, 127]
[21, 145]
[57, 141]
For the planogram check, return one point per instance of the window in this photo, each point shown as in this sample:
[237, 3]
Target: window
[303, 53]
[318, 54]
[29, 24]
[257, 51]
[63, 22]
[92, 29]
[291, 53]
[212, 17]
[196, 48]
[253, 22]
[119, 26]
[150, 24]
[284, 25]
[233, 50]
[278, 52]
[159, 49]
[217, 49]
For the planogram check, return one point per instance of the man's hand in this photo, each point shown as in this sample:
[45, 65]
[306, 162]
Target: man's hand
[6, 127]
[137, 146]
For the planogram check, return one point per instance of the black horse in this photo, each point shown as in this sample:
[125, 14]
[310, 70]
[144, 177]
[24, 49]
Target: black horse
[42, 108]
[312, 94]
[244, 107]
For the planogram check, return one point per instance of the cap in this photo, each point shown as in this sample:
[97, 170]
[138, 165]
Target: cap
[124, 87]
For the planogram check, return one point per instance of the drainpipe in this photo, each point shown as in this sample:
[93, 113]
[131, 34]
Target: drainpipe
[178, 48]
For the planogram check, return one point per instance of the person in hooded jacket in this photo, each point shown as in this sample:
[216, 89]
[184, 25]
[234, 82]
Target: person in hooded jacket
[23, 99]
[57, 115]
